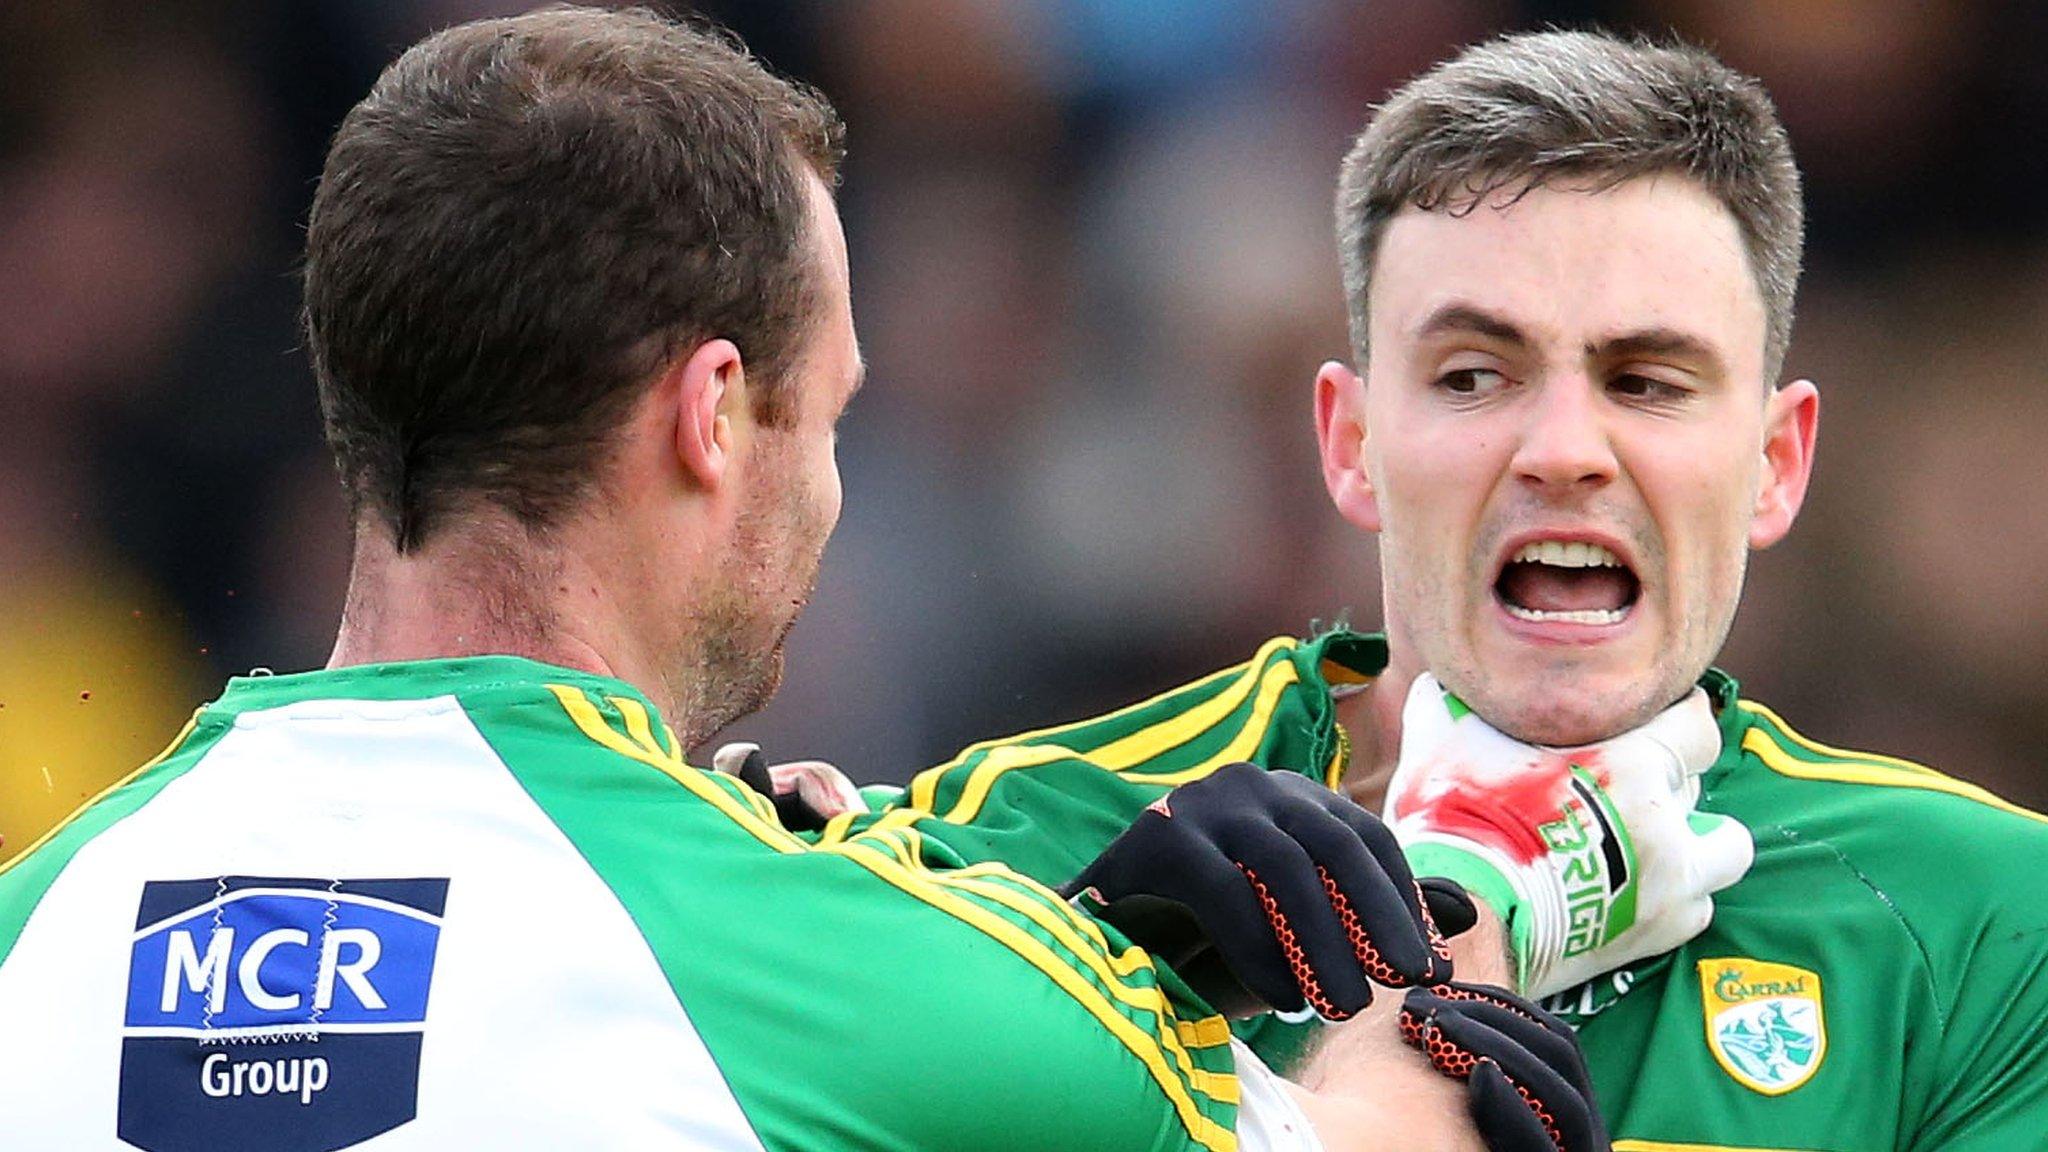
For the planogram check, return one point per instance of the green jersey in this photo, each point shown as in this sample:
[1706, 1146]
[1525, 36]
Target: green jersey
[1878, 980]
[484, 901]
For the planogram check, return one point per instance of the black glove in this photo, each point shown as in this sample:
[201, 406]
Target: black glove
[746, 762]
[1522, 1067]
[1266, 890]
[1449, 906]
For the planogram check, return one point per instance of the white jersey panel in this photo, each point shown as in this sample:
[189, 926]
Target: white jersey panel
[402, 919]
[1268, 1118]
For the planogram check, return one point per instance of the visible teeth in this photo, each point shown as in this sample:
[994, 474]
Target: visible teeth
[1558, 554]
[1577, 616]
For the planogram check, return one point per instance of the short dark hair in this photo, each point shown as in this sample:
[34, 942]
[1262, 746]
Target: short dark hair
[524, 220]
[1523, 110]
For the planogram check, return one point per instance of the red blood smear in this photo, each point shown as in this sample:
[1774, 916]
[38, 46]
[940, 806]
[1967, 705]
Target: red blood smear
[1503, 812]
[1589, 760]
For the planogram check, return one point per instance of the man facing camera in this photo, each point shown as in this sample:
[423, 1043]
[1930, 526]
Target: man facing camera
[1570, 264]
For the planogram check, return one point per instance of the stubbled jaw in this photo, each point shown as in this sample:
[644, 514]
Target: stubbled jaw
[1567, 582]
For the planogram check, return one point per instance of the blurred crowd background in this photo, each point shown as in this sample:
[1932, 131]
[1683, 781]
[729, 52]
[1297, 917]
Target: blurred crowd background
[1094, 275]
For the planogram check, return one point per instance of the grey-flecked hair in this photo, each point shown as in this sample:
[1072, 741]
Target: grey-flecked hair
[1525, 110]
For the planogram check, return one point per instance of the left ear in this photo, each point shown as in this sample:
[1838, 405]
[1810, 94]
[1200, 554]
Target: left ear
[1791, 421]
[707, 385]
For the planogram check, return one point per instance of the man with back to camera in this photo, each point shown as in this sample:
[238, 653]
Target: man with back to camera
[577, 302]
[1570, 262]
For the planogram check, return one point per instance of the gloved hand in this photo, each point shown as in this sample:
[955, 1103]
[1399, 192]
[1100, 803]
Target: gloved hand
[1527, 1080]
[1267, 890]
[806, 793]
[1592, 856]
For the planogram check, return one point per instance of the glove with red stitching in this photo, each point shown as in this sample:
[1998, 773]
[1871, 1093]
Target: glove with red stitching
[1527, 1081]
[1266, 890]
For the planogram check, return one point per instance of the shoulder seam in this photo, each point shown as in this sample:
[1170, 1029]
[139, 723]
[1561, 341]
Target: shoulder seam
[1898, 914]
[1767, 742]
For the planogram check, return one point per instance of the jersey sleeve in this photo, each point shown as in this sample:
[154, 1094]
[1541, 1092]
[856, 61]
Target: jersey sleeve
[881, 991]
[1047, 802]
[1990, 1090]
[1028, 1018]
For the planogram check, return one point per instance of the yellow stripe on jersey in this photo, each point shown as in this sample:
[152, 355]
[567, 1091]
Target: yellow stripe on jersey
[1039, 909]
[835, 829]
[1122, 963]
[1272, 685]
[997, 762]
[590, 722]
[1859, 767]
[1126, 752]
[1820, 749]
[1200, 1127]
[638, 726]
[928, 887]
[1148, 743]
[1336, 675]
[923, 791]
[50, 833]
[1208, 1032]
[1340, 759]
[1668, 1146]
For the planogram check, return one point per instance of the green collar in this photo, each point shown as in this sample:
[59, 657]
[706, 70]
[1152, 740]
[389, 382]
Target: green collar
[412, 680]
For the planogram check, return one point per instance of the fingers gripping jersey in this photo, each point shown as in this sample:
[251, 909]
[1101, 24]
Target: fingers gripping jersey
[485, 903]
[1877, 980]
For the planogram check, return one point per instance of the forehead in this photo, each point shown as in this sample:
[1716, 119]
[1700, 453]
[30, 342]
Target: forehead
[832, 334]
[1569, 266]
[827, 236]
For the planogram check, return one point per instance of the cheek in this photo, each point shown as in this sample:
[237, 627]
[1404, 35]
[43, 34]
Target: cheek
[1710, 541]
[827, 488]
[1433, 497]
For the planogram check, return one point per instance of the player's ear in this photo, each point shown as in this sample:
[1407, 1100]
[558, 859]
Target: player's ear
[1341, 437]
[705, 385]
[1791, 421]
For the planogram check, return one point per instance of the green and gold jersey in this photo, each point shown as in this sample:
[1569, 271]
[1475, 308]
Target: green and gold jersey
[486, 902]
[1879, 979]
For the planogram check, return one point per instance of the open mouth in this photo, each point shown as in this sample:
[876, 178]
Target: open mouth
[1559, 582]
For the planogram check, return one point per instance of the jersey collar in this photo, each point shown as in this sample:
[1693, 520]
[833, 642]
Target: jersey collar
[465, 676]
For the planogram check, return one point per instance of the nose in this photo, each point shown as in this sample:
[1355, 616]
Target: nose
[1565, 442]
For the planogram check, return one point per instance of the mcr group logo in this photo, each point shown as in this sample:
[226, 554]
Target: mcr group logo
[276, 1013]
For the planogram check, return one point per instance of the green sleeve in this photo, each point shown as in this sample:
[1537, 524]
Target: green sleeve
[1990, 1090]
[1997, 1046]
[1047, 802]
[879, 992]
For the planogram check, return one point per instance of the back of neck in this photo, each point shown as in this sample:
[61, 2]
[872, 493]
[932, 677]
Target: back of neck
[467, 597]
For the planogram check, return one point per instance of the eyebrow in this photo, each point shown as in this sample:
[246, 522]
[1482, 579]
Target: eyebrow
[1467, 318]
[1657, 340]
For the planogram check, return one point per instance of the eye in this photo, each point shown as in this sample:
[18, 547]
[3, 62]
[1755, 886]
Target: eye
[1641, 386]
[1472, 381]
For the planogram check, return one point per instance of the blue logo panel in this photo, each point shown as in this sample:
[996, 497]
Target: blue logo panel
[276, 1012]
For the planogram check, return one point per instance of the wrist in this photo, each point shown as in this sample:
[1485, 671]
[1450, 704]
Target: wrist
[1494, 883]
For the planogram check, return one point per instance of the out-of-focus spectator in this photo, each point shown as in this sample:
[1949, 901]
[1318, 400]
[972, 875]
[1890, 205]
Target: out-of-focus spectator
[117, 214]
